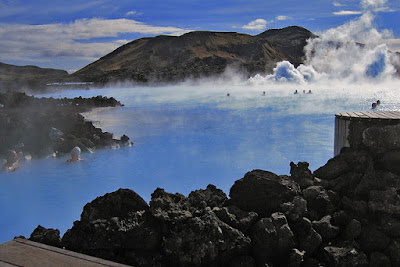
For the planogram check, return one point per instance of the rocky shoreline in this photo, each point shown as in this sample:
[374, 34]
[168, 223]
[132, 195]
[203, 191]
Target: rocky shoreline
[41, 127]
[346, 213]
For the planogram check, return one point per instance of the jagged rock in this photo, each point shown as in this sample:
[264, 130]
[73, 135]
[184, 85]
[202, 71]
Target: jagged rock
[358, 208]
[169, 207]
[394, 252]
[353, 229]
[340, 218]
[381, 139]
[387, 201]
[55, 134]
[212, 197]
[308, 239]
[295, 209]
[262, 192]
[355, 161]
[390, 161]
[236, 218]
[348, 256]
[301, 174]
[285, 234]
[325, 228]
[373, 239]
[264, 239]
[46, 236]
[379, 259]
[391, 226]
[134, 239]
[203, 240]
[345, 184]
[296, 258]
[377, 180]
[272, 239]
[318, 200]
[115, 204]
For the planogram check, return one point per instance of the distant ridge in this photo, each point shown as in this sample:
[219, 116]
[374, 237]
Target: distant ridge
[14, 77]
[197, 54]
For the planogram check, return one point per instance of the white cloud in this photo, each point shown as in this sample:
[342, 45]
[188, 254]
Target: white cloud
[18, 41]
[346, 13]
[258, 24]
[373, 3]
[283, 17]
[337, 4]
[132, 13]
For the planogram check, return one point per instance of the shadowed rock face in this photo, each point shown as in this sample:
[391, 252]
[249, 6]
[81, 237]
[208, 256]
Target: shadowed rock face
[197, 54]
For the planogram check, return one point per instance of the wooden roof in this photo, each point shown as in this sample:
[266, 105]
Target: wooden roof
[22, 252]
[380, 115]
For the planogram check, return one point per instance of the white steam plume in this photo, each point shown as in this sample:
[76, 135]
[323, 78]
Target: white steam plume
[353, 52]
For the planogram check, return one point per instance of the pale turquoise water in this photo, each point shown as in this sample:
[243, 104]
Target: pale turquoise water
[185, 138]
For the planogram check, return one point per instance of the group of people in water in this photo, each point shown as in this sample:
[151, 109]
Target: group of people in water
[304, 91]
[13, 158]
[295, 92]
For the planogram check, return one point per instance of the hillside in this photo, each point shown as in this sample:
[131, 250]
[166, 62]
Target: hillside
[16, 77]
[197, 54]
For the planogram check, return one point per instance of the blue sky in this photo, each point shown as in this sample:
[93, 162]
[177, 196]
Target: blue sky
[71, 34]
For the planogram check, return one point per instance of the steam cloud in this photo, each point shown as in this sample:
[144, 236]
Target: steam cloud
[353, 52]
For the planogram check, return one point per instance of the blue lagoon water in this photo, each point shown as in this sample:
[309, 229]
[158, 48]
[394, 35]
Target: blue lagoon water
[186, 137]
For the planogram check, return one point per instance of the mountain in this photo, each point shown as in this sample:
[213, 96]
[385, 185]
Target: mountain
[196, 54]
[16, 77]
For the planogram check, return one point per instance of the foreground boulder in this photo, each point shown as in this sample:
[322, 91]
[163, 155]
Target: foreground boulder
[262, 192]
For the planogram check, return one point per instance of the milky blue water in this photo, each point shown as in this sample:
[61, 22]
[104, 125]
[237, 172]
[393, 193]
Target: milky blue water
[186, 137]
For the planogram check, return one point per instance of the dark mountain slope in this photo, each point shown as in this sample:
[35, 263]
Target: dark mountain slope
[196, 54]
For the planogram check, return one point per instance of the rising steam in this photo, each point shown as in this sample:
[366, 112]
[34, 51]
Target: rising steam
[353, 52]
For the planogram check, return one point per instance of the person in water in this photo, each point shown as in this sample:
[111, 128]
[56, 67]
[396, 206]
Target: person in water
[75, 155]
[12, 162]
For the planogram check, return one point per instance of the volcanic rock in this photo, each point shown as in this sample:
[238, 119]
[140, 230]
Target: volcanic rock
[355, 161]
[116, 204]
[347, 256]
[262, 192]
[49, 237]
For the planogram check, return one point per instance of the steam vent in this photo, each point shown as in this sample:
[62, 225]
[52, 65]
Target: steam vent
[350, 126]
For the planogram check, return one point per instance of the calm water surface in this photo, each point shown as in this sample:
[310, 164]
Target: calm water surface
[185, 139]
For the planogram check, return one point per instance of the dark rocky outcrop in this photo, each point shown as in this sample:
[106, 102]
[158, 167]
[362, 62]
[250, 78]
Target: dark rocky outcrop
[44, 126]
[46, 236]
[269, 220]
[262, 192]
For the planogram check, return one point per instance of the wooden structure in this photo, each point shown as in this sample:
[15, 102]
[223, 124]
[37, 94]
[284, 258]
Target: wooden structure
[349, 126]
[22, 252]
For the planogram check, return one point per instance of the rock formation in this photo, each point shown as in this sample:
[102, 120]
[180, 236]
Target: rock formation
[45, 126]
